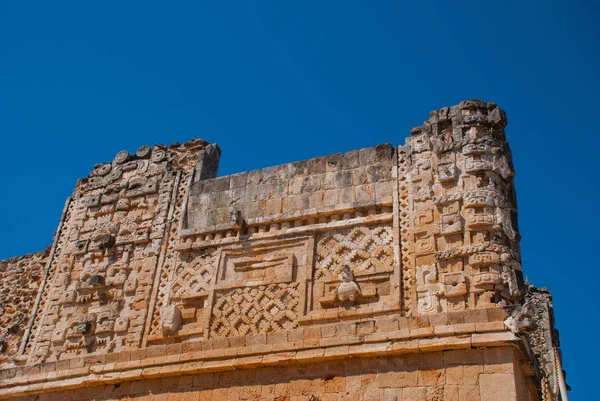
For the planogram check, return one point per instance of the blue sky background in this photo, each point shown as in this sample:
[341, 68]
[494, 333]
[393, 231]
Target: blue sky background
[278, 81]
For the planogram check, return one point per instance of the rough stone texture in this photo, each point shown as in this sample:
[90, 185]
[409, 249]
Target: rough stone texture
[20, 280]
[414, 377]
[379, 274]
[325, 185]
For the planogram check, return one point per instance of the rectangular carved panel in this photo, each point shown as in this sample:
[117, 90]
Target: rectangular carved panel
[353, 266]
[253, 310]
[264, 265]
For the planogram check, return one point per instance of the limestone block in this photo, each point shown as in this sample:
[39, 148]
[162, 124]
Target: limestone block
[497, 387]
[385, 271]
[170, 319]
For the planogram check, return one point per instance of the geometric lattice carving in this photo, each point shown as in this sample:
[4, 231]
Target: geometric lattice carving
[253, 310]
[363, 249]
[161, 293]
[154, 250]
[193, 280]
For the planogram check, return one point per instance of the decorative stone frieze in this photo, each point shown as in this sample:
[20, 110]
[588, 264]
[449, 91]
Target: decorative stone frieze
[371, 260]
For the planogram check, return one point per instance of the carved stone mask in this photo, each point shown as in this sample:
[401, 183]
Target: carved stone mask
[346, 275]
[84, 327]
[96, 281]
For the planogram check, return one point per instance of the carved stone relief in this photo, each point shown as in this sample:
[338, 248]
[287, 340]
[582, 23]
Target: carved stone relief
[130, 270]
[154, 250]
[247, 287]
[365, 249]
[106, 258]
[252, 310]
[457, 244]
[353, 266]
[347, 290]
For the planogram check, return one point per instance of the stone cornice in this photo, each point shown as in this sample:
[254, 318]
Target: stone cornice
[158, 362]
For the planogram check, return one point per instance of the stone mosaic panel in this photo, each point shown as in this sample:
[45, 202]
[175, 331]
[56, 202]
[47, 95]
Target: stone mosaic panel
[155, 258]
[365, 249]
[353, 266]
[253, 310]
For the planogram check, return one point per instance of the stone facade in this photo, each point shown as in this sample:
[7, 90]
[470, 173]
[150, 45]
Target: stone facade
[386, 273]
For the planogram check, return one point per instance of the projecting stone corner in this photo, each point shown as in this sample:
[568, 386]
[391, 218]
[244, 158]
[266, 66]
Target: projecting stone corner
[382, 272]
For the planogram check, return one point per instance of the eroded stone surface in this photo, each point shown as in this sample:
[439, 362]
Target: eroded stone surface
[162, 269]
[20, 280]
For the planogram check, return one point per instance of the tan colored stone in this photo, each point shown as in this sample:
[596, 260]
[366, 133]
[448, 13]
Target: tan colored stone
[476, 316]
[431, 377]
[469, 393]
[493, 339]
[464, 328]
[455, 374]
[497, 386]
[451, 393]
[445, 343]
[471, 373]
[335, 385]
[378, 274]
[414, 394]
[498, 360]
[421, 332]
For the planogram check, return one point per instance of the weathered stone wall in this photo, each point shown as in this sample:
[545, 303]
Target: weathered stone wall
[20, 280]
[335, 183]
[490, 374]
[159, 268]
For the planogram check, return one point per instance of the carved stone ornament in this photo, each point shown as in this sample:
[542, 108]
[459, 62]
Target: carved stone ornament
[143, 151]
[158, 155]
[170, 318]
[161, 268]
[122, 157]
[347, 290]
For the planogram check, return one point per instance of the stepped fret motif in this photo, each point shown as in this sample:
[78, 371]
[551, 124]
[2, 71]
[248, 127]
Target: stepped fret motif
[263, 309]
[377, 273]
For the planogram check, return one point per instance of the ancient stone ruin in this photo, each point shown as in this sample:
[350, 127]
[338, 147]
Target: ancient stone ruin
[386, 273]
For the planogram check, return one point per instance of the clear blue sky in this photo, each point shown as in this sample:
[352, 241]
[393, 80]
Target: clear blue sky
[278, 81]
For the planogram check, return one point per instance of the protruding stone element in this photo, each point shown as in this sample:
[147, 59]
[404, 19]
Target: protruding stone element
[122, 157]
[429, 289]
[390, 271]
[143, 151]
[96, 281]
[106, 241]
[84, 327]
[347, 290]
[208, 162]
[104, 169]
[158, 155]
[170, 318]
[235, 219]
